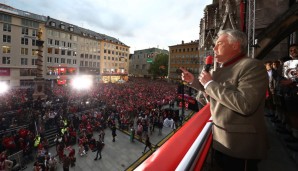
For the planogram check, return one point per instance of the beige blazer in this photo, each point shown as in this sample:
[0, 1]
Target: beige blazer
[237, 99]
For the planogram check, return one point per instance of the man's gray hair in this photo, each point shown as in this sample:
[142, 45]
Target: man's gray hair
[236, 36]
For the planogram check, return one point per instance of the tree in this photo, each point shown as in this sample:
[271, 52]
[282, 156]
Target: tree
[159, 67]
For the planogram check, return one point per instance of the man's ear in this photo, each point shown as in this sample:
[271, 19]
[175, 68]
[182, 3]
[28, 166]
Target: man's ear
[236, 45]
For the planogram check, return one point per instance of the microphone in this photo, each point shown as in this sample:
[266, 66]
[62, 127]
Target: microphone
[209, 62]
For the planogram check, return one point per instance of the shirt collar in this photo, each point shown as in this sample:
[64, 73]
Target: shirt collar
[233, 60]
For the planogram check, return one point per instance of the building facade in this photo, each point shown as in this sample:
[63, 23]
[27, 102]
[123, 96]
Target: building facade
[67, 50]
[140, 61]
[186, 55]
[223, 14]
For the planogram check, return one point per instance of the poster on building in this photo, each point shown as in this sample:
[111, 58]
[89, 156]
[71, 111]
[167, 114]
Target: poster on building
[4, 71]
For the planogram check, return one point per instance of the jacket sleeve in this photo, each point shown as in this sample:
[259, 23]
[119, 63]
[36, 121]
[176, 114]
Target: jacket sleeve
[197, 85]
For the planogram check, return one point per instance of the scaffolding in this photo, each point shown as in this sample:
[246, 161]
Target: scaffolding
[251, 27]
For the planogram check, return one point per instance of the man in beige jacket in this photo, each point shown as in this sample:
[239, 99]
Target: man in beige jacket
[236, 91]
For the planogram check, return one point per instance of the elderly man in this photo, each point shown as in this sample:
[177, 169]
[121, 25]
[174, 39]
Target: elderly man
[236, 92]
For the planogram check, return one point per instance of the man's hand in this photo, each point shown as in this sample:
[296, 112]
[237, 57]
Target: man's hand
[186, 76]
[205, 77]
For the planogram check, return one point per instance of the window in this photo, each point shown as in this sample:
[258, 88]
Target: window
[27, 72]
[24, 61]
[5, 49]
[50, 50]
[24, 41]
[56, 60]
[74, 61]
[90, 64]
[55, 33]
[81, 63]
[50, 41]
[56, 42]
[74, 53]
[63, 43]
[50, 32]
[25, 30]
[56, 51]
[63, 60]
[62, 26]
[86, 63]
[68, 61]
[82, 55]
[6, 27]
[34, 62]
[34, 42]
[70, 28]
[24, 51]
[62, 52]
[5, 60]
[69, 45]
[34, 32]
[98, 57]
[69, 53]
[53, 24]
[86, 56]
[4, 17]
[6, 38]
[50, 59]
[90, 56]
[29, 23]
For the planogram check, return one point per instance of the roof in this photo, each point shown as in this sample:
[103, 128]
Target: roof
[11, 10]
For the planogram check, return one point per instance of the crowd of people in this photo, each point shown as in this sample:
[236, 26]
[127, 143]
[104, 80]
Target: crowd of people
[282, 95]
[131, 105]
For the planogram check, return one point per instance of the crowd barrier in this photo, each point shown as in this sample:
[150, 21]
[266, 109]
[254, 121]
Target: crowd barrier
[17, 158]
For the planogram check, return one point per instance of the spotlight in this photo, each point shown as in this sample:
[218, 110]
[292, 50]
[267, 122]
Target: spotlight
[82, 82]
[3, 87]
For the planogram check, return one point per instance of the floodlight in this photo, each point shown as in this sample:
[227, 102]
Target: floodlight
[3, 87]
[82, 82]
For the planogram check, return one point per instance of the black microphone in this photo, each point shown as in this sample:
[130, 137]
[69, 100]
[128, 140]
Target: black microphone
[209, 62]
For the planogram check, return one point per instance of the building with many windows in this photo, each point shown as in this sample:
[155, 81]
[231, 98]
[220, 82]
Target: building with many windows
[140, 61]
[184, 55]
[68, 50]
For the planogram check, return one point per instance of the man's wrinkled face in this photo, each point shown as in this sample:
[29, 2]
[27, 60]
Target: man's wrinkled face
[225, 50]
